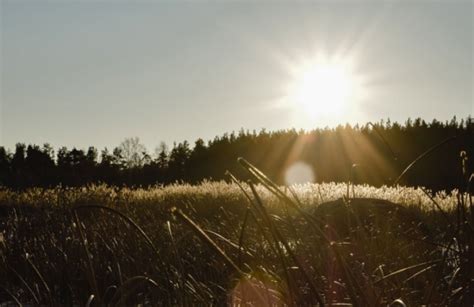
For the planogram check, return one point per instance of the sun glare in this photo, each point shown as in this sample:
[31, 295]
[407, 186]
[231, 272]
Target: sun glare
[323, 89]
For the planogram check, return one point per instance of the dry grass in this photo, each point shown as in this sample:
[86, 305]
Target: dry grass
[236, 243]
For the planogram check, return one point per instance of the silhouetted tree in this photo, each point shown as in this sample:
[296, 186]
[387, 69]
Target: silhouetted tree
[177, 161]
[4, 166]
[39, 166]
[133, 153]
[197, 162]
[18, 170]
[162, 156]
[381, 151]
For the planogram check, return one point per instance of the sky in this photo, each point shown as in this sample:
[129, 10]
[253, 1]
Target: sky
[82, 73]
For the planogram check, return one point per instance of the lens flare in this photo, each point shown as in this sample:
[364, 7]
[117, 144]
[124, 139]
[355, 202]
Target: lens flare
[299, 173]
[255, 292]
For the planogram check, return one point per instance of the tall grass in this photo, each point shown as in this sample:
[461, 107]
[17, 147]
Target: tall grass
[237, 243]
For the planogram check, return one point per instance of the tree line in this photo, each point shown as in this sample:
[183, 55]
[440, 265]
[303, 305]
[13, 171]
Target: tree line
[374, 153]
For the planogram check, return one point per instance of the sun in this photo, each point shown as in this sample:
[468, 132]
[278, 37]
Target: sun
[323, 88]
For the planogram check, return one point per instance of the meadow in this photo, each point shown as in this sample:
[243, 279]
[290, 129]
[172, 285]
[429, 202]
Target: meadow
[238, 243]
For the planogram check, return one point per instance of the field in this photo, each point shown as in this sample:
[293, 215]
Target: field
[236, 153]
[236, 243]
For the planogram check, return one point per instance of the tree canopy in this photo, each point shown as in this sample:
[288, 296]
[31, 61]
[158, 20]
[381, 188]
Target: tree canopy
[380, 152]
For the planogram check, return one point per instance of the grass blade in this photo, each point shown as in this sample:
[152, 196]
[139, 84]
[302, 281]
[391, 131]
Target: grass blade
[203, 236]
[422, 156]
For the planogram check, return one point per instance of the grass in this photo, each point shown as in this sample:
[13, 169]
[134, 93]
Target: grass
[236, 243]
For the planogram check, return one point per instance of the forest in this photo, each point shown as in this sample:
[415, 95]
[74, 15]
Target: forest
[374, 154]
[126, 228]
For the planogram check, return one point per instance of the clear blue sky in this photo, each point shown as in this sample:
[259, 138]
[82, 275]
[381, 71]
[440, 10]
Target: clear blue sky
[80, 73]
